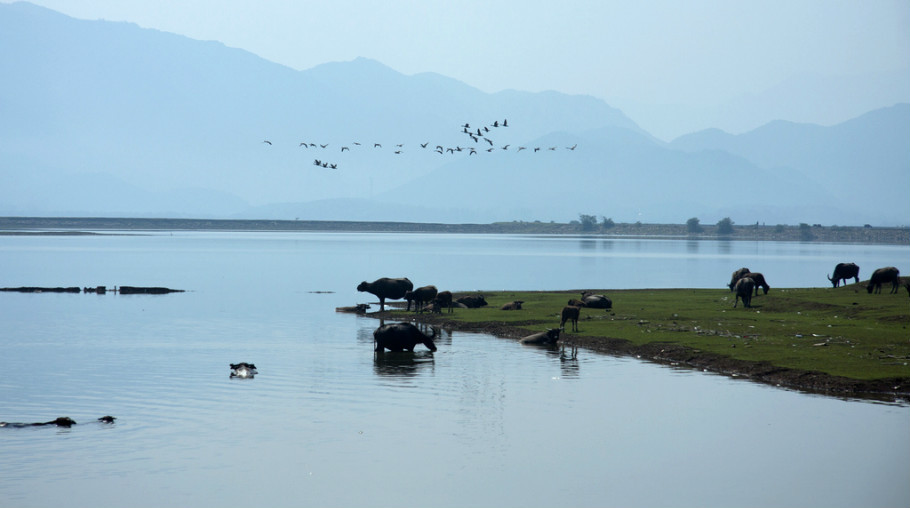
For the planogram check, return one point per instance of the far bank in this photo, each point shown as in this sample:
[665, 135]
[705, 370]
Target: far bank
[606, 229]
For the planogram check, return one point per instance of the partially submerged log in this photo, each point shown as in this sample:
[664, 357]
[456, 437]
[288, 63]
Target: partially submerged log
[31, 289]
[136, 290]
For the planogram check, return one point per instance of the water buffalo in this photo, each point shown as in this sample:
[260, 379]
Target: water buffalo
[593, 301]
[759, 280]
[393, 289]
[360, 308]
[472, 301]
[443, 299]
[883, 275]
[844, 271]
[569, 312]
[401, 337]
[738, 274]
[515, 305]
[63, 421]
[547, 338]
[420, 296]
[743, 289]
[243, 370]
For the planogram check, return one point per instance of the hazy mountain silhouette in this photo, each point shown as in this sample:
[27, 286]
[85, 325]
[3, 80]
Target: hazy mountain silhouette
[104, 118]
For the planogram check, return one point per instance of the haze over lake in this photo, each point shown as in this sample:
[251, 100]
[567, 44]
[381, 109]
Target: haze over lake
[466, 426]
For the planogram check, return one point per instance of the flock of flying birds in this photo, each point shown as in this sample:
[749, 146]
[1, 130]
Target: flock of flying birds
[476, 135]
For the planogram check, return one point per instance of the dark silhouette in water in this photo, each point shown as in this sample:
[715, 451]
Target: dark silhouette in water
[63, 421]
[243, 370]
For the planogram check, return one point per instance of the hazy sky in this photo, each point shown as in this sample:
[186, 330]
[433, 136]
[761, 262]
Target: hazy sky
[655, 59]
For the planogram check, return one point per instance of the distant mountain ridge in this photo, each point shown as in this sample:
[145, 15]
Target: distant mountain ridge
[107, 119]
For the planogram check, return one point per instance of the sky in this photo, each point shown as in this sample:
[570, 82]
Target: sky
[672, 66]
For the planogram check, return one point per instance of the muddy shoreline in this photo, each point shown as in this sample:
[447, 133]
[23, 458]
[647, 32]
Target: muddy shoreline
[886, 390]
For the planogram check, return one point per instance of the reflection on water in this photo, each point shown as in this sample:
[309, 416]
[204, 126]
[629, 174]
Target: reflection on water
[402, 364]
[482, 421]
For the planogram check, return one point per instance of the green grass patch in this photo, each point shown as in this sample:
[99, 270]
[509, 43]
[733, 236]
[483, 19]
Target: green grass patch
[842, 332]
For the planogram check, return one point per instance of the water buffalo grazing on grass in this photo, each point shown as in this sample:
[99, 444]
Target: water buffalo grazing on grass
[547, 338]
[844, 271]
[743, 289]
[738, 274]
[420, 296]
[516, 305]
[443, 299]
[360, 308]
[593, 301]
[393, 289]
[569, 313]
[472, 301]
[401, 337]
[759, 281]
[883, 275]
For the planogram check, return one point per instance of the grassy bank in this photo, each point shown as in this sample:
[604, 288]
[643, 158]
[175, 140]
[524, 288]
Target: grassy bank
[815, 338]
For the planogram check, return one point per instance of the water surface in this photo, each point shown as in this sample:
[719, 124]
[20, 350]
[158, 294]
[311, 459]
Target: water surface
[482, 422]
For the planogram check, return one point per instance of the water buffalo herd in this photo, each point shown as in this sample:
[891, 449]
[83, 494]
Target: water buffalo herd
[744, 283]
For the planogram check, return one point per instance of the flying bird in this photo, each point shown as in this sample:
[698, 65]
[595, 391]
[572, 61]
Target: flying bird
[377, 145]
[488, 141]
[496, 123]
[506, 147]
[303, 145]
[505, 123]
[572, 147]
[267, 141]
[424, 145]
[333, 166]
[520, 148]
[345, 148]
[325, 145]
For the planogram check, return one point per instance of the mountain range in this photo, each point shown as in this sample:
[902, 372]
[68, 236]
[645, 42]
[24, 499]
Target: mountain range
[110, 119]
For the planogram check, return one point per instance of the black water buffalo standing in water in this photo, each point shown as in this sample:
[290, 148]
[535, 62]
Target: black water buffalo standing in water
[420, 296]
[738, 274]
[844, 271]
[393, 289]
[743, 288]
[401, 337]
[883, 275]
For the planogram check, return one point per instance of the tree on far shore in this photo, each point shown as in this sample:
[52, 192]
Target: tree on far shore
[725, 226]
[693, 226]
[587, 222]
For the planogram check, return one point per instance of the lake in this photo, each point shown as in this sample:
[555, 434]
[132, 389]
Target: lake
[481, 422]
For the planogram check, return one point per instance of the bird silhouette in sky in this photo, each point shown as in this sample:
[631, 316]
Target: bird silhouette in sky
[267, 141]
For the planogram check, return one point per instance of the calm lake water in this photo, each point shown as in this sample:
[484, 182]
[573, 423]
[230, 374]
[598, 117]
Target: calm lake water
[482, 422]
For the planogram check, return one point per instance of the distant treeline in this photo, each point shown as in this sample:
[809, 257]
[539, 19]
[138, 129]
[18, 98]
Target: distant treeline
[802, 232]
